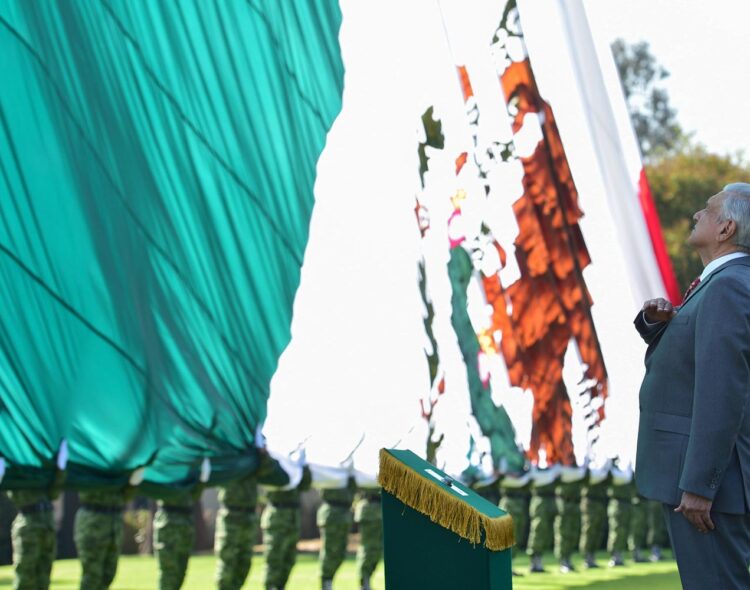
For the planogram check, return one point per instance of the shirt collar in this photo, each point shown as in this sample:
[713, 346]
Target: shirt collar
[714, 264]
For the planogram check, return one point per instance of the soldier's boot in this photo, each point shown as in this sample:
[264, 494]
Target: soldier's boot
[589, 561]
[638, 556]
[566, 566]
[365, 584]
[616, 559]
[536, 566]
[327, 585]
[655, 554]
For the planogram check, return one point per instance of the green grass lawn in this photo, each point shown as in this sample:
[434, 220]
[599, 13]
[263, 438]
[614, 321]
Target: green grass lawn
[139, 573]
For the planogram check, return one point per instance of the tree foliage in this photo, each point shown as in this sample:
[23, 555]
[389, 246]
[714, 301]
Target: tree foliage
[653, 117]
[682, 173]
[681, 184]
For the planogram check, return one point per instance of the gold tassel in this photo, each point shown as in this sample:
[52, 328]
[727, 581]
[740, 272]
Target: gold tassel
[442, 507]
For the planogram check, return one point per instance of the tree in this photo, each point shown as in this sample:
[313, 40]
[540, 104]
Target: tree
[653, 117]
[681, 183]
[682, 174]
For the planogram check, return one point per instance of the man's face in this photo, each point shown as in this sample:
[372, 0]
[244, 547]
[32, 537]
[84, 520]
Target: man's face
[707, 223]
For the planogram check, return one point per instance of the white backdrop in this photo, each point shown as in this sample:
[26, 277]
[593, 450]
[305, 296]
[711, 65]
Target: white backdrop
[355, 364]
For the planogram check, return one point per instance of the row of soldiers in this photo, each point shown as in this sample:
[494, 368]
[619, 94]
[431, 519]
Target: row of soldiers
[98, 530]
[569, 509]
[358, 500]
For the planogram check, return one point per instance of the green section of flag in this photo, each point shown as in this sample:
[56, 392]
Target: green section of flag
[157, 162]
[493, 420]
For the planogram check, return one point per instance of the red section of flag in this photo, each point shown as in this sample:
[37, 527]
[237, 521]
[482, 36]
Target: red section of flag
[550, 304]
[463, 76]
[460, 161]
[657, 239]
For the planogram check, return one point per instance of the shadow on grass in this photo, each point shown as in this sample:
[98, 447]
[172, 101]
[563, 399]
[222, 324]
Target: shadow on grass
[6, 581]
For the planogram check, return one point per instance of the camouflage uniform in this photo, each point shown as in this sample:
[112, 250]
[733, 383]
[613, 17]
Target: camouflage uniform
[515, 501]
[542, 511]
[618, 513]
[334, 519]
[369, 516]
[33, 537]
[567, 519]
[280, 522]
[593, 518]
[236, 531]
[174, 535]
[97, 532]
[638, 526]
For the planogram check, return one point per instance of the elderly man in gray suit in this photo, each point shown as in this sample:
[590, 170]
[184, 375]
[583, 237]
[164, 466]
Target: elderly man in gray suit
[694, 432]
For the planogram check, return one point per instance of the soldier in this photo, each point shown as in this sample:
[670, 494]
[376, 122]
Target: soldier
[236, 531]
[174, 535]
[594, 514]
[334, 519]
[33, 531]
[638, 526]
[174, 532]
[542, 514]
[514, 499]
[280, 523]
[368, 515]
[281, 517]
[97, 532]
[619, 509]
[568, 517]
[33, 539]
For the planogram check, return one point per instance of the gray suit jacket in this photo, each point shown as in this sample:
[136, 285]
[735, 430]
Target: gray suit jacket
[694, 430]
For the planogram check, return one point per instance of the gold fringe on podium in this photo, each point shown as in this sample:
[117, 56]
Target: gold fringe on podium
[443, 507]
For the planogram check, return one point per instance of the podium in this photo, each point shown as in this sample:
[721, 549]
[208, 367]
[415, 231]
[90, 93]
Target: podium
[437, 533]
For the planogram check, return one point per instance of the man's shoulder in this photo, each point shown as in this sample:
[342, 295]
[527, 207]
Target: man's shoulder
[735, 274]
[728, 289]
[736, 266]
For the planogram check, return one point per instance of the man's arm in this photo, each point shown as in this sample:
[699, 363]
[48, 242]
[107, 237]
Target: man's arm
[722, 374]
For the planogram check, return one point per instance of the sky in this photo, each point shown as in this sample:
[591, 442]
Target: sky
[704, 46]
[355, 366]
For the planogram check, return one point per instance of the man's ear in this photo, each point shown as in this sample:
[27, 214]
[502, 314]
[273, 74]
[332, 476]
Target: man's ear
[729, 229]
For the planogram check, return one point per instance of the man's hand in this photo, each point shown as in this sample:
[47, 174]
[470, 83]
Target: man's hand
[697, 510]
[658, 310]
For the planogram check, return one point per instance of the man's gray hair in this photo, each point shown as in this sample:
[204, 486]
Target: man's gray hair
[736, 206]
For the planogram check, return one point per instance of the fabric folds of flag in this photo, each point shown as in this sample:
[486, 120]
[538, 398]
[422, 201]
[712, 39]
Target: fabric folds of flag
[158, 162]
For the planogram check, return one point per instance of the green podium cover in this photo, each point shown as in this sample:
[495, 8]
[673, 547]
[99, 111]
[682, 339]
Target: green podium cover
[437, 532]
